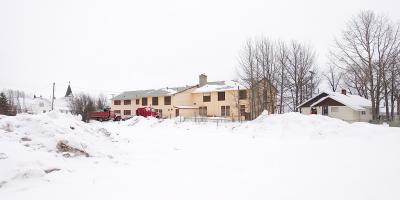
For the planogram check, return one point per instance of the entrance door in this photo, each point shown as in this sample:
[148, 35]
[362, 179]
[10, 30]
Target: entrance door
[176, 112]
[313, 111]
[324, 110]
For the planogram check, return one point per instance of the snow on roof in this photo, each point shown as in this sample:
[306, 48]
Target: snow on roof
[150, 93]
[220, 86]
[355, 102]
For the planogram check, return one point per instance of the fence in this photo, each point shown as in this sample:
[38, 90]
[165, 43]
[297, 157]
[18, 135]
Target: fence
[217, 120]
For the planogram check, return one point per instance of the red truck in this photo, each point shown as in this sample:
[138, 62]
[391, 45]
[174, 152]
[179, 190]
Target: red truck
[105, 115]
[147, 112]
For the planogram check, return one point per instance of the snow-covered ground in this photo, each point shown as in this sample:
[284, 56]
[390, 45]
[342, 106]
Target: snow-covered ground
[290, 156]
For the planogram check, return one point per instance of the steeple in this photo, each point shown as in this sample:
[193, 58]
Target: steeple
[69, 91]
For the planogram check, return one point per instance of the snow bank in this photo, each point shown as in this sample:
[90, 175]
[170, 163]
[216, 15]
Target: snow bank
[288, 156]
[29, 144]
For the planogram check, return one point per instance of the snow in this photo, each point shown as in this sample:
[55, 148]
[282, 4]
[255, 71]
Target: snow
[288, 156]
[219, 86]
[62, 104]
[355, 102]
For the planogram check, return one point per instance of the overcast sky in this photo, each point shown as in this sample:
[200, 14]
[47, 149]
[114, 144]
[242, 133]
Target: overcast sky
[112, 46]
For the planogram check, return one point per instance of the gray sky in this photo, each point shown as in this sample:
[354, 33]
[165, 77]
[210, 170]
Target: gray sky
[112, 46]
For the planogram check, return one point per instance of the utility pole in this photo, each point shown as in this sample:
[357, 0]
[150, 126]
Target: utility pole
[52, 99]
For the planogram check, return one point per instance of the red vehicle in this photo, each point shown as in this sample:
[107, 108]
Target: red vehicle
[147, 112]
[105, 115]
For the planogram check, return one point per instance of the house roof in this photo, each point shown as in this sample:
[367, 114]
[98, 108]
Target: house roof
[355, 102]
[150, 93]
[219, 86]
[215, 86]
[313, 99]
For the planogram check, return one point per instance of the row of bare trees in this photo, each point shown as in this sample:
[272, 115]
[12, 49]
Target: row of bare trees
[366, 59]
[275, 67]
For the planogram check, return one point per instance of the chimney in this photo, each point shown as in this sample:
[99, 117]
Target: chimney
[344, 91]
[202, 80]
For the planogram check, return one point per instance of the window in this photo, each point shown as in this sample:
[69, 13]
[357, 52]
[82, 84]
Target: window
[334, 109]
[117, 111]
[242, 94]
[203, 110]
[137, 101]
[324, 110]
[242, 109]
[225, 111]
[362, 112]
[144, 101]
[154, 101]
[206, 97]
[117, 102]
[127, 112]
[127, 102]
[167, 100]
[221, 96]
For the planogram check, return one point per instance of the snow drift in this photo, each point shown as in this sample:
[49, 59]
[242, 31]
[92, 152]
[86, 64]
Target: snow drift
[34, 145]
[288, 156]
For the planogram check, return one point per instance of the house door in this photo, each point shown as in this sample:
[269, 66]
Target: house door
[176, 112]
[324, 110]
[313, 111]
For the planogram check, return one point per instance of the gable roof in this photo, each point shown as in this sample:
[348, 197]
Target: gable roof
[308, 102]
[219, 86]
[69, 91]
[150, 93]
[354, 102]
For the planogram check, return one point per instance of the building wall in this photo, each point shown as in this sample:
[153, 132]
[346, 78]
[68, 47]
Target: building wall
[167, 110]
[187, 98]
[343, 112]
[39, 105]
[180, 99]
[214, 106]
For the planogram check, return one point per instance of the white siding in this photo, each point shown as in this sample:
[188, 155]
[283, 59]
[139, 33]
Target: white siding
[343, 112]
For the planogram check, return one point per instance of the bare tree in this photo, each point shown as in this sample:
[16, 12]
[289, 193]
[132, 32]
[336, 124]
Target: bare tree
[334, 77]
[274, 68]
[365, 51]
[300, 62]
[82, 104]
[102, 102]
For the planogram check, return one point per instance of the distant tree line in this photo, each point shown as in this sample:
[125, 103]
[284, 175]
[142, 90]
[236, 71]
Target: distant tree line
[288, 67]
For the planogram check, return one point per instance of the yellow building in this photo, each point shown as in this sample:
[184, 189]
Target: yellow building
[227, 99]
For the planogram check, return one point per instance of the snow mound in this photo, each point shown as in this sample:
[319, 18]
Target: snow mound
[295, 124]
[30, 144]
[44, 131]
[139, 121]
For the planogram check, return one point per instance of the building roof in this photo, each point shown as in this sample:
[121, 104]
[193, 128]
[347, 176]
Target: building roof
[150, 93]
[69, 91]
[355, 102]
[218, 86]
